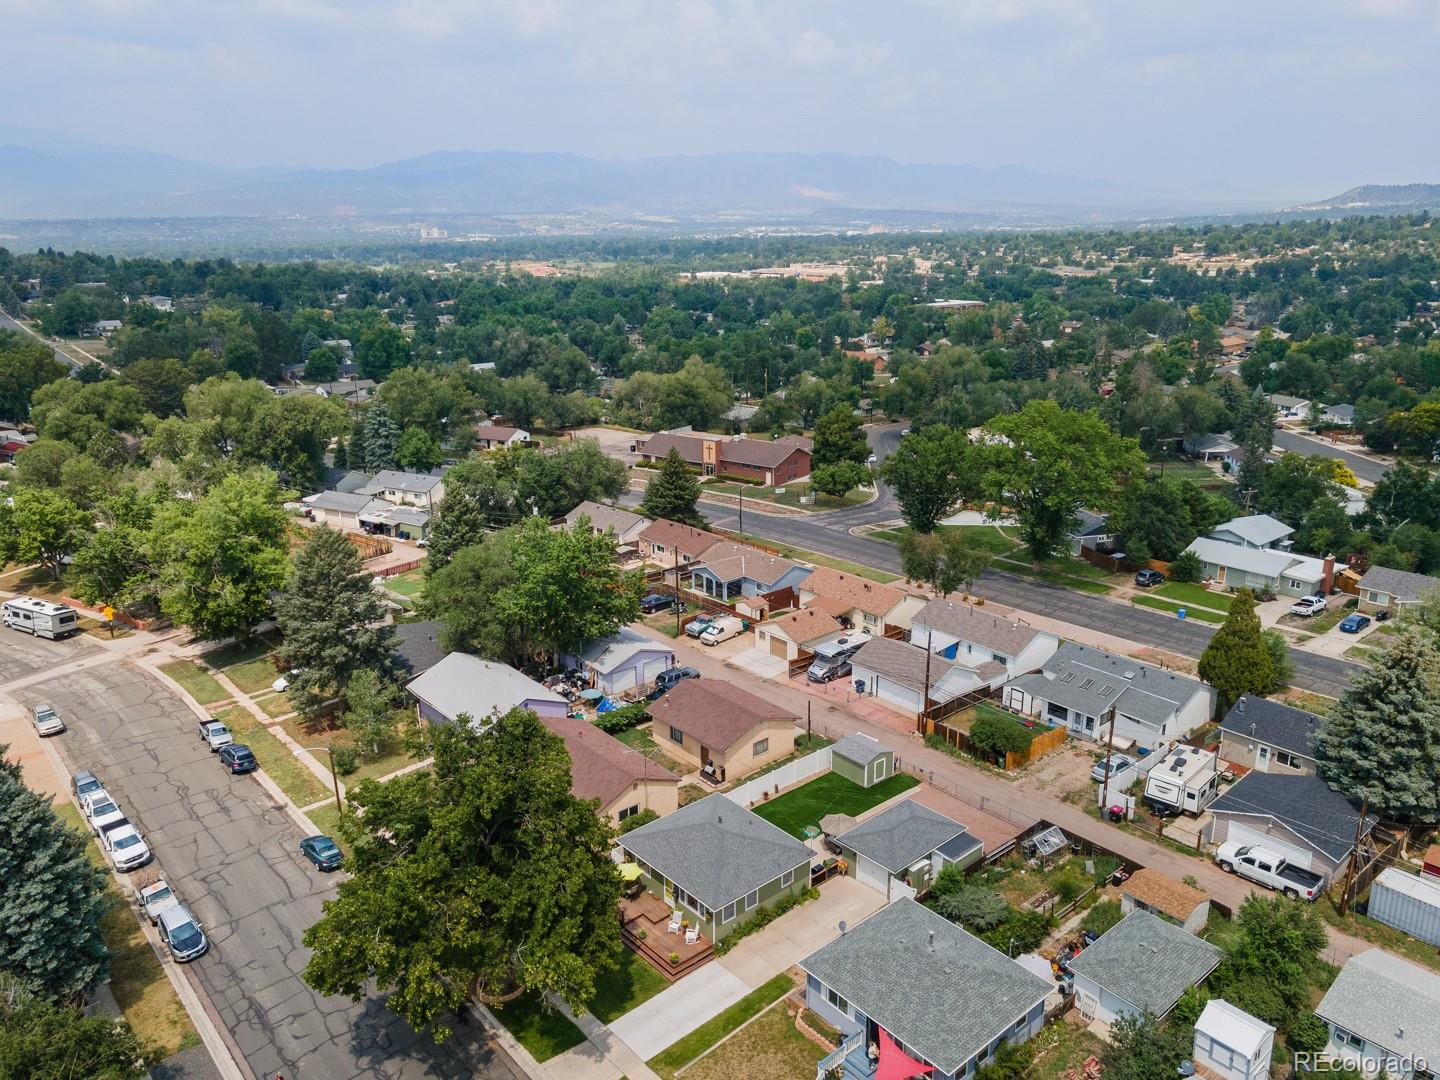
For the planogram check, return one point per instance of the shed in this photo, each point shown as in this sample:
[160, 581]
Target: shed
[1154, 891]
[862, 760]
[900, 850]
[1232, 1044]
[1408, 902]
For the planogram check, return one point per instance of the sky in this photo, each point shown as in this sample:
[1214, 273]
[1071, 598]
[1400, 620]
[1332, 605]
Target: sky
[1265, 100]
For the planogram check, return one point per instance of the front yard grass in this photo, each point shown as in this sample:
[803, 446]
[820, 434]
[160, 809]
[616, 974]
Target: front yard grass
[289, 772]
[137, 979]
[790, 496]
[253, 676]
[318, 734]
[543, 1031]
[630, 983]
[1188, 593]
[237, 652]
[981, 537]
[275, 705]
[768, 1048]
[1166, 606]
[829, 793]
[679, 1054]
[196, 681]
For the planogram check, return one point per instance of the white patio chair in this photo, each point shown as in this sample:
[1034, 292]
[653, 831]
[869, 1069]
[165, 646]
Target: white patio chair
[692, 935]
[674, 927]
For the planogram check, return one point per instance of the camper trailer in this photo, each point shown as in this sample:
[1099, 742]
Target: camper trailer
[42, 618]
[1184, 781]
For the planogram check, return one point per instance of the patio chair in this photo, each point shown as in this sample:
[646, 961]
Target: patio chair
[674, 927]
[692, 935]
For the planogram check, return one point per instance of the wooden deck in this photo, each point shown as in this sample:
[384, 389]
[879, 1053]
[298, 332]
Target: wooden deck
[650, 913]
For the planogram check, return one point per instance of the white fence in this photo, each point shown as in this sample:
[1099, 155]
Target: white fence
[777, 780]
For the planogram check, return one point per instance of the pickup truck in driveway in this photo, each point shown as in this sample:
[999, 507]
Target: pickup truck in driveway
[1270, 869]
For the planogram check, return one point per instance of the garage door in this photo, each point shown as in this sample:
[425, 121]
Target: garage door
[779, 646]
[623, 679]
[1244, 834]
[873, 874]
[652, 669]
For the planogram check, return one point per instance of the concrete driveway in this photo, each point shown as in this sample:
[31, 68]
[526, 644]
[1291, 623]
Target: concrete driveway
[758, 661]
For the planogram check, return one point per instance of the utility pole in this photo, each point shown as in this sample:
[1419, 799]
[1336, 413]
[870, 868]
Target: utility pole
[1354, 855]
[334, 776]
[1109, 762]
[742, 509]
[809, 730]
[677, 592]
[925, 703]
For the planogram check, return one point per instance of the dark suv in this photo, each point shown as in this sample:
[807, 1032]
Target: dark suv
[238, 758]
[1146, 578]
[667, 679]
[649, 605]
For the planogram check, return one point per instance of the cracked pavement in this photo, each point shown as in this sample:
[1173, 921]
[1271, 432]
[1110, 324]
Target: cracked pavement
[232, 853]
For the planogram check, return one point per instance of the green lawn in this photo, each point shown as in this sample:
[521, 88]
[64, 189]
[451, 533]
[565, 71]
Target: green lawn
[236, 653]
[275, 705]
[982, 537]
[408, 584]
[1170, 609]
[625, 986]
[543, 1031]
[253, 676]
[769, 1048]
[828, 794]
[791, 495]
[283, 767]
[196, 681]
[318, 736]
[790, 552]
[1187, 593]
[679, 1054]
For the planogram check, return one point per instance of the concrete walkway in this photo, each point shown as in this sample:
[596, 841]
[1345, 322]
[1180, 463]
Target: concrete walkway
[678, 1010]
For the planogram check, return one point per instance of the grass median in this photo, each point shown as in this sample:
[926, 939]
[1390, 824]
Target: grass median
[290, 774]
[1157, 604]
[543, 1031]
[679, 1054]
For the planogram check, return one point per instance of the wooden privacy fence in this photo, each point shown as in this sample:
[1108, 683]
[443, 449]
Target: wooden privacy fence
[1039, 746]
[370, 547]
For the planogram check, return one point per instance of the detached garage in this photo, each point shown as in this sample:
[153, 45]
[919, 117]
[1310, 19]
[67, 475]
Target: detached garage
[900, 850]
[1299, 817]
[896, 673]
[624, 661]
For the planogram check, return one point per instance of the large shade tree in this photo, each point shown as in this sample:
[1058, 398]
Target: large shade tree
[929, 474]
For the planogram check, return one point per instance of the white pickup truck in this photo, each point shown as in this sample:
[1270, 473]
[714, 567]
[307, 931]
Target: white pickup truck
[215, 734]
[124, 844]
[1270, 869]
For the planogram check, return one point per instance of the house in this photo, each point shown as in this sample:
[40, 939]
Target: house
[1381, 1013]
[1254, 531]
[625, 524]
[346, 480]
[1269, 736]
[1337, 415]
[1230, 1044]
[898, 674]
[1088, 690]
[1148, 889]
[1299, 817]
[735, 573]
[900, 850]
[716, 862]
[1185, 778]
[399, 488]
[973, 638]
[343, 345]
[862, 760]
[623, 781]
[801, 631]
[1211, 447]
[338, 509]
[1238, 566]
[1408, 902]
[1142, 964]
[1234, 345]
[11, 448]
[350, 391]
[918, 987]
[865, 602]
[387, 519]
[462, 684]
[772, 463]
[723, 730]
[1383, 589]
[625, 660]
[1289, 407]
[669, 543]
[159, 303]
[1089, 531]
[498, 437]
[416, 646]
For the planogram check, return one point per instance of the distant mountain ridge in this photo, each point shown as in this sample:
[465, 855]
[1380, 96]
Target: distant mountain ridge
[1383, 198]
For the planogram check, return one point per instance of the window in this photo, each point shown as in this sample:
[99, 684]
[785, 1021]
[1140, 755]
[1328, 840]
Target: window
[629, 811]
[676, 735]
[1289, 760]
[1345, 1038]
[837, 1001]
[787, 878]
[729, 913]
[761, 748]
[1000, 659]
[870, 620]
[752, 899]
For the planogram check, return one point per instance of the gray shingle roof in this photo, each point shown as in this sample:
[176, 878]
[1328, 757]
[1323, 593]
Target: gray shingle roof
[1305, 805]
[1389, 1002]
[346, 502]
[716, 850]
[417, 645]
[1147, 961]
[901, 663]
[902, 835]
[1093, 681]
[942, 992]
[395, 480]
[861, 749]
[604, 517]
[1274, 723]
[1258, 529]
[969, 623]
[1401, 584]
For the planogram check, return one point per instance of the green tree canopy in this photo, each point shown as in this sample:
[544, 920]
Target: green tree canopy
[1161, 517]
[929, 472]
[41, 1040]
[25, 366]
[838, 477]
[838, 438]
[1274, 960]
[493, 838]
[1236, 661]
[382, 438]
[44, 527]
[418, 450]
[943, 560]
[673, 491]
[1142, 1048]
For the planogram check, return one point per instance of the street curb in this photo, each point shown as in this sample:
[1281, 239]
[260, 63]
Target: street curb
[517, 1053]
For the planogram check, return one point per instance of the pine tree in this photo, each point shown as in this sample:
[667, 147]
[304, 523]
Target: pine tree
[1383, 742]
[1236, 661]
[51, 898]
[382, 439]
[672, 492]
[330, 617]
[355, 444]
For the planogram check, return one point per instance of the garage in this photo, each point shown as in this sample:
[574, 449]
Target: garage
[873, 874]
[622, 680]
[1241, 833]
[652, 669]
[779, 646]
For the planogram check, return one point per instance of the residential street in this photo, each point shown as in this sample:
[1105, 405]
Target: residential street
[1365, 468]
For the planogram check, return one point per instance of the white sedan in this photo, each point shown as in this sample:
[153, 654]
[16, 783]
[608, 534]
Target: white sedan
[47, 720]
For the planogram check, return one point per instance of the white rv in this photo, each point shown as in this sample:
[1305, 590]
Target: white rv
[43, 618]
[1185, 780]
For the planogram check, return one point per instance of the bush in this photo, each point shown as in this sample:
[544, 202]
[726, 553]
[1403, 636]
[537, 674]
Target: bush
[951, 879]
[736, 478]
[1308, 1034]
[1068, 886]
[1187, 567]
[346, 759]
[1021, 932]
[1102, 917]
[623, 718]
[1000, 734]
[764, 917]
[634, 821]
[974, 907]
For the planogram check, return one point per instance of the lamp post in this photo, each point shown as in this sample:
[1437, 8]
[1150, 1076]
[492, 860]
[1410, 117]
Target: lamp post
[334, 776]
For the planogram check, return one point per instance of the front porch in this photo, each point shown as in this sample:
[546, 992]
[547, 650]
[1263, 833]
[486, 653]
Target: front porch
[652, 915]
[851, 1059]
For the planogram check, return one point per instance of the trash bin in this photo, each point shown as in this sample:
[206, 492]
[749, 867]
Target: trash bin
[1180, 613]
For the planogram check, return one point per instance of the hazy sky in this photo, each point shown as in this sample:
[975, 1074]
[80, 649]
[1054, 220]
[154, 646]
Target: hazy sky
[1268, 98]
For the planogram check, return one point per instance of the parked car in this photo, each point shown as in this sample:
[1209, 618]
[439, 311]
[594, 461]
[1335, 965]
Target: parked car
[654, 602]
[124, 844]
[282, 684]
[1354, 623]
[215, 733]
[47, 720]
[667, 679]
[155, 898]
[1147, 578]
[322, 851]
[722, 629]
[181, 933]
[871, 460]
[1269, 868]
[1115, 766]
[238, 758]
[84, 783]
[101, 810]
[696, 626]
[1307, 606]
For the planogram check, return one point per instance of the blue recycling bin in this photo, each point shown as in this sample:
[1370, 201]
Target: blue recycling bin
[1180, 613]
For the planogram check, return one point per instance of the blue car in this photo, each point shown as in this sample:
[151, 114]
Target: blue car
[322, 851]
[238, 758]
[1353, 624]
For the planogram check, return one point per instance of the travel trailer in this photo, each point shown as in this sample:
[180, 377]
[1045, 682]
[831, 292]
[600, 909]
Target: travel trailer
[42, 618]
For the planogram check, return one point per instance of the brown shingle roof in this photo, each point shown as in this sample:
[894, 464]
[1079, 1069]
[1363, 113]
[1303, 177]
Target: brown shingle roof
[715, 712]
[742, 451]
[601, 766]
[810, 623]
[856, 592]
[1163, 893]
[686, 539]
[728, 561]
[969, 623]
[495, 432]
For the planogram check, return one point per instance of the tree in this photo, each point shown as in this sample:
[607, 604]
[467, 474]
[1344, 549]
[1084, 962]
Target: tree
[1254, 431]
[1383, 740]
[161, 383]
[943, 560]
[381, 350]
[999, 734]
[493, 838]
[1187, 567]
[838, 478]
[1236, 661]
[477, 500]
[838, 438]
[974, 907]
[1013, 1061]
[418, 450]
[672, 492]
[322, 363]
[1282, 668]
[45, 527]
[382, 440]
[40, 1040]
[1142, 1048]
[25, 366]
[928, 472]
[1160, 517]
[218, 559]
[1048, 464]
[1274, 960]
[634, 821]
[331, 619]
[112, 569]
[373, 712]
[553, 481]
[52, 898]
[477, 570]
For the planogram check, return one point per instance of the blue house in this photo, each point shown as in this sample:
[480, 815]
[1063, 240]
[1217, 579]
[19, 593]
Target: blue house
[907, 981]
[729, 571]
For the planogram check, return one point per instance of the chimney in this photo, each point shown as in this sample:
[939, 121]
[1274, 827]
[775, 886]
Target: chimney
[1328, 581]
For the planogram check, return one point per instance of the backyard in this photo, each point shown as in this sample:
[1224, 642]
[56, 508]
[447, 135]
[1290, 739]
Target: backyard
[409, 584]
[638, 738]
[830, 793]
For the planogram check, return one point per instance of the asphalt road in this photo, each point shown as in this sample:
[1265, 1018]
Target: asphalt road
[1362, 467]
[231, 853]
[7, 323]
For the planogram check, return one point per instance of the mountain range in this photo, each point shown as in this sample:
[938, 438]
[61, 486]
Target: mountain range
[1381, 199]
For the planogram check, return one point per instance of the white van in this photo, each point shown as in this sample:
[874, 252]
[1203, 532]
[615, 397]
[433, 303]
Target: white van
[721, 629]
[43, 618]
[832, 658]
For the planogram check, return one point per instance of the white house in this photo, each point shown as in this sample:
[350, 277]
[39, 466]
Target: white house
[1254, 531]
[398, 488]
[1381, 1012]
[1290, 407]
[1232, 1044]
[1088, 690]
[897, 674]
[462, 684]
[972, 637]
[497, 437]
[1142, 964]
